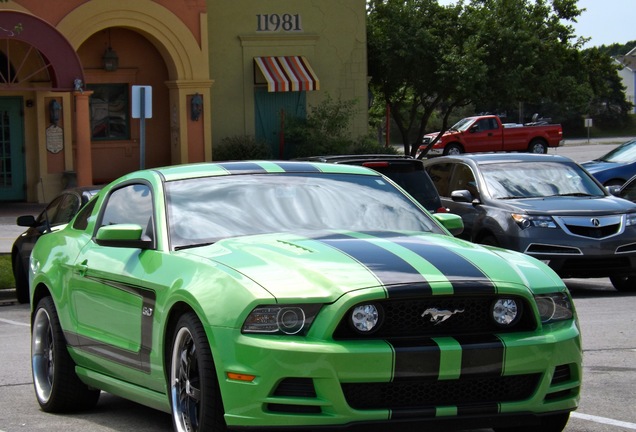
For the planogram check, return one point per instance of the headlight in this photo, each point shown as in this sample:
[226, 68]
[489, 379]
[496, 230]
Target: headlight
[279, 319]
[506, 311]
[526, 221]
[554, 307]
[630, 219]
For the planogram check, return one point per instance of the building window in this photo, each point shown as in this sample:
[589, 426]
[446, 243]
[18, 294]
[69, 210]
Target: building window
[110, 118]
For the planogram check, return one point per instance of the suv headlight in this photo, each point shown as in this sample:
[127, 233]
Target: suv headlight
[630, 219]
[281, 319]
[526, 221]
[554, 307]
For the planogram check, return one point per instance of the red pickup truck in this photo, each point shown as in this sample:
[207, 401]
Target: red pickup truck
[488, 134]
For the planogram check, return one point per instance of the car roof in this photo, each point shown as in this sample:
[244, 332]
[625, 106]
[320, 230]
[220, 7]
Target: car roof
[359, 159]
[178, 172]
[486, 158]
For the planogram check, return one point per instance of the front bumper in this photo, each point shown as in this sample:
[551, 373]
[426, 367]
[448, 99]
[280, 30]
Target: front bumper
[574, 256]
[308, 383]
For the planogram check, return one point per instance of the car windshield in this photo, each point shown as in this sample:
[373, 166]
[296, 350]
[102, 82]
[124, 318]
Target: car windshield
[538, 179]
[463, 124]
[204, 210]
[625, 153]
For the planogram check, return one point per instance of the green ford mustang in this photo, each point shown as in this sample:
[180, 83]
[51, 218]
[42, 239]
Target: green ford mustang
[268, 295]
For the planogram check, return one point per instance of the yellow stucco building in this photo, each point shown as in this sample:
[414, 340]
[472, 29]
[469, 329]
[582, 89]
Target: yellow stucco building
[71, 73]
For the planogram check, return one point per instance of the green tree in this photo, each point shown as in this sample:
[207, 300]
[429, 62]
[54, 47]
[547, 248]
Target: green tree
[421, 60]
[494, 54]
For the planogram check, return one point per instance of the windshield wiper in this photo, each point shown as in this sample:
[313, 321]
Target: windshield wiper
[196, 245]
[574, 194]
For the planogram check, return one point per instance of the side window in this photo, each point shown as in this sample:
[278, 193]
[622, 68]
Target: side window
[81, 221]
[50, 212]
[440, 174]
[69, 205]
[463, 179]
[130, 204]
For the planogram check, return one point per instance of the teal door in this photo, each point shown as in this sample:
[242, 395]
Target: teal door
[273, 109]
[12, 175]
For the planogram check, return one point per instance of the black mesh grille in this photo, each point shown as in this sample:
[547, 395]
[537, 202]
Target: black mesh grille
[403, 318]
[561, 374]
[296, 387]
[422, 394]
[594, 232]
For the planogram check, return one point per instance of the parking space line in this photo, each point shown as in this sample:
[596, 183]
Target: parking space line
[604, 420]
[13, 323]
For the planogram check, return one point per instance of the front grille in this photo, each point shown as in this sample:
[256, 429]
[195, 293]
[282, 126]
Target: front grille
[594, 232]
[426, 393]
[402, 318]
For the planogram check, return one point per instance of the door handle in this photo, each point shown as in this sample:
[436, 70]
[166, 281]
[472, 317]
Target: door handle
[82, 268]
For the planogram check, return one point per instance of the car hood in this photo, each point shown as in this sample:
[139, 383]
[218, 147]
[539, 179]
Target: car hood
[330, 265]
[572, 206]
[595, 166]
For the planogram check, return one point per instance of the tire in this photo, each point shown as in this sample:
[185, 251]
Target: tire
[21, 280]
[624, 283]
[195, 396]
[453, 150]
[489, 240]
[57, 386]
[548, 423]
[538, 146]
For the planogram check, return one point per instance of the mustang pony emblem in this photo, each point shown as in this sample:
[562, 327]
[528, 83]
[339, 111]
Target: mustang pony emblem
[440, 315]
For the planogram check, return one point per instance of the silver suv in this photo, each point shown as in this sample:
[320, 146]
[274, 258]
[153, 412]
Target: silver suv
[546, 206]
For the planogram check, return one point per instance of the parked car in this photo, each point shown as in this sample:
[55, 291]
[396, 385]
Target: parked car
[628, 190]
[546, 206]
[488, 134]
[615, 167]
[55, 215]
[263, 295]
[407, 172]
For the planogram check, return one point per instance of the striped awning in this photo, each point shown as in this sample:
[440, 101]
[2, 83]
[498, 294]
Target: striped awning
[290, 73]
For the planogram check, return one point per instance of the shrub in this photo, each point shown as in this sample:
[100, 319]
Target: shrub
[241, 147]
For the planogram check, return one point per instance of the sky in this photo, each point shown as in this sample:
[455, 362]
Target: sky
[604, 21]
[607, 21]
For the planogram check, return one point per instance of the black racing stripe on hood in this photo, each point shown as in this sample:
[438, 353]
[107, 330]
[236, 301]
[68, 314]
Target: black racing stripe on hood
[463, 274]
[297, 167]
[392, 271]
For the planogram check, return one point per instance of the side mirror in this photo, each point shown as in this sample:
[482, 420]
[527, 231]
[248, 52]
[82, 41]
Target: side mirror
[473, 129]
[614, 190]
[123, 235]
[462, 196]
[26, 221]
[452, 222]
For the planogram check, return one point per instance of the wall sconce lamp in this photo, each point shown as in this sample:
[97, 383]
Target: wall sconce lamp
[110, 59]
[54, 112]
[196, 107]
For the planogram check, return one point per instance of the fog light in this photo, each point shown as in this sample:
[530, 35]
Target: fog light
[365, 318]
[505, 311]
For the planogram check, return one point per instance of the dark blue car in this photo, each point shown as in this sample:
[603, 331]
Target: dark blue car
[615, 167]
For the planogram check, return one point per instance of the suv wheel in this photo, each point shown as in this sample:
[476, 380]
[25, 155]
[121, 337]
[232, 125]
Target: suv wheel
[624, 283]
